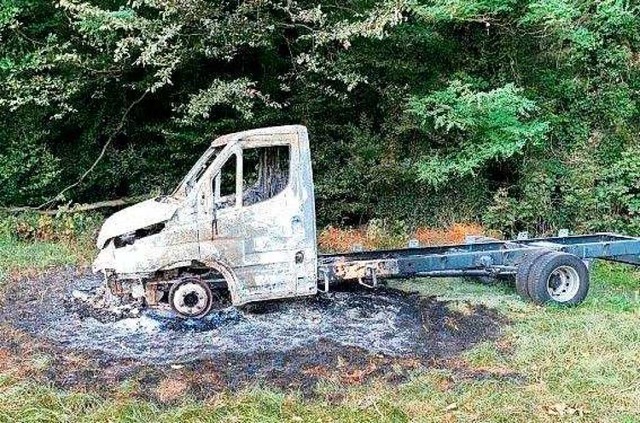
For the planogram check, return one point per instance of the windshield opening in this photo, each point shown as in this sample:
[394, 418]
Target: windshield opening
[196, 172]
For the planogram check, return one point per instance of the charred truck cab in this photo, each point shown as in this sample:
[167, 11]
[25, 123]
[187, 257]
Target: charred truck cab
[242, 221]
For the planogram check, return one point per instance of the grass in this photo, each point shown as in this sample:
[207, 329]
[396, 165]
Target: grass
[21, 257]
[578, 360]
[579, 364]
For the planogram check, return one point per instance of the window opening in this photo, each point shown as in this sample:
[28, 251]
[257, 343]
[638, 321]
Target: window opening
[227, 180]
[266, 173]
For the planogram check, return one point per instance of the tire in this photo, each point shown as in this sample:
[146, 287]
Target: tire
[191, 298]
[524, 268]
[558, 278]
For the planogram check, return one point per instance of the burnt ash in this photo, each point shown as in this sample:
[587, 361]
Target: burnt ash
[349, 335]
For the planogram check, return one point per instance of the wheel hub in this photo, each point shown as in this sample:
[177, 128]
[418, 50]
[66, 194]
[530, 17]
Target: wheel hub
[563, 283]
[191, 299]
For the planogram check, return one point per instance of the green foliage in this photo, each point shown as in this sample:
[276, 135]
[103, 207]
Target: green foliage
[473, 128]
[450, 11]
[522, 114]
[28, 170]
[220, 92]
[618, 193]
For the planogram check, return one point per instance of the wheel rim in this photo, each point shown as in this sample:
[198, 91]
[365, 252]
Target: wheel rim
[563, 283]
[191, 299]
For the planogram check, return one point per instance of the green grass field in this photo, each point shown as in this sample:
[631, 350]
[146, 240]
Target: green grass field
[552, 364]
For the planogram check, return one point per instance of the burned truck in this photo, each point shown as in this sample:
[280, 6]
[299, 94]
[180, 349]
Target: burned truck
[241, 227]
[242, 219]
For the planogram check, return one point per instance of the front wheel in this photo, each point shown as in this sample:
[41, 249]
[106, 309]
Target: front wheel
[558, 278]
[191, 297]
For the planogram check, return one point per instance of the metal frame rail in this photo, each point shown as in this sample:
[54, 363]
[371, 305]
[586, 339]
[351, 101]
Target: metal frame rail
[485, 258]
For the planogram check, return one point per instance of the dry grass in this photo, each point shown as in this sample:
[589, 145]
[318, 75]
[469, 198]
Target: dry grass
[455, 234]
[371, 237]
[171, 389]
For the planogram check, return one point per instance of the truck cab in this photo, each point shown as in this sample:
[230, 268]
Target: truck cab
[241, 220]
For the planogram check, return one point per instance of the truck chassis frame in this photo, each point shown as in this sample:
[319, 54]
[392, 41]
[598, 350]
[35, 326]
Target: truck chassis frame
[478, 257]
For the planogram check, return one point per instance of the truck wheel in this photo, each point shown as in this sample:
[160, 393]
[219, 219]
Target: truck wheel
[191, 298]
[558, 278]
[524, 268]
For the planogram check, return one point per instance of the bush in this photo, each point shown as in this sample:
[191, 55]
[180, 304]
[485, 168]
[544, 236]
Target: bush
[66, 227]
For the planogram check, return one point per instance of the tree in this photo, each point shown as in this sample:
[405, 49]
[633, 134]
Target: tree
[510, 112]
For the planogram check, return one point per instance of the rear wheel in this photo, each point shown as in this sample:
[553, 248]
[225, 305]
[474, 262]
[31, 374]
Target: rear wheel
[558, 278]
[524, 268]
[191, 297]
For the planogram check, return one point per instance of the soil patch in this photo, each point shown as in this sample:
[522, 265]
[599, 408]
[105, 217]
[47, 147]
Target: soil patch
[348, 335]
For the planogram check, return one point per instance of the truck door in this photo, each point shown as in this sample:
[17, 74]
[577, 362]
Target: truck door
[263, 224]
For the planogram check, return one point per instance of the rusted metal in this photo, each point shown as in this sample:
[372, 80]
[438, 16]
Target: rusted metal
[153, 293]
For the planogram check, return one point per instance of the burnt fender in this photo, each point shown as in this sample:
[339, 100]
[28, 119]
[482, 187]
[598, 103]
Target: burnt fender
[229, 276]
